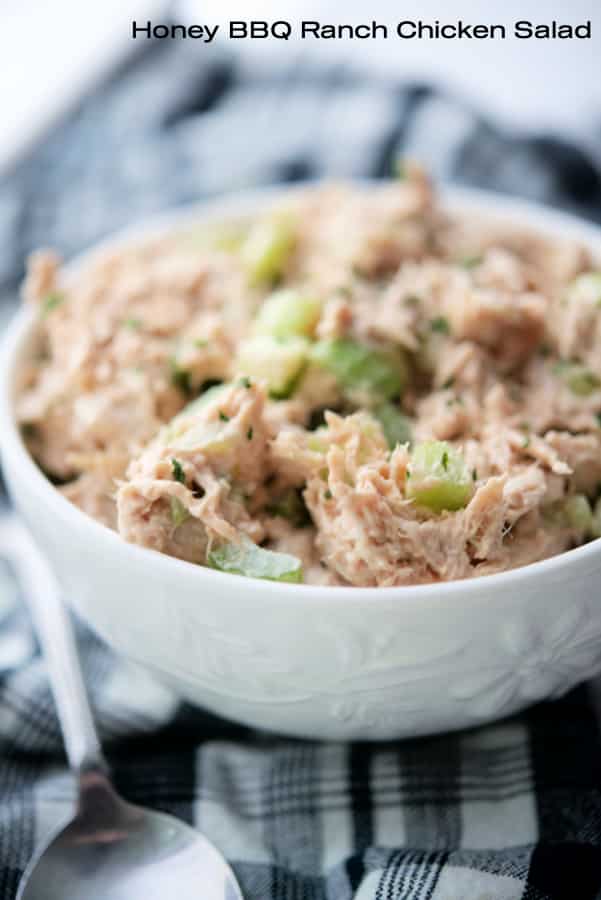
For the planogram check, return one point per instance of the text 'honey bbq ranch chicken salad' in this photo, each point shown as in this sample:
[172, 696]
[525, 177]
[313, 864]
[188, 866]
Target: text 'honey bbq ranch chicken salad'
[352, 388]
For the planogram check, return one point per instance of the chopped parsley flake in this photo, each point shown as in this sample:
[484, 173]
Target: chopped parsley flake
[133, 324]
[249, 434]
[580, 380]
[245, 382]
[223, 416]
[470, 262]
[449, 383]
[180, 377]
[51, 302]
[328, 494]
[178, 471]
[200, 343]
[525, 426]
[440, 325]
[474, 474]
[445, 460]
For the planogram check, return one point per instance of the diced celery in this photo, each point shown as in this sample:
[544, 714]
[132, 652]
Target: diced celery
[178, 511]
[50, 302]
[572, 512]
[583, 382]
[580, 380]
[228, 240]
[267, 249]
[205, 398]
[248, 559]
[288, 313]
[280, 363]
[290, 506]
[175, 430]
[577, 512]
[210, 437]
[224, 236]
[396, 426]
[437, 477]
[596, 520]
[440, 325]
[471, 262]
[587, 287]
[315, 442]
[376, 375]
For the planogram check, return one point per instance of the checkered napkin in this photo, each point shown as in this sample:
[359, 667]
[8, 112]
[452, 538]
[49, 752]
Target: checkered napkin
[505, 812]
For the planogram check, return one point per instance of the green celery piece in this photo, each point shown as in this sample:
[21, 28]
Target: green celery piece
[395, 425]
[204, 399]
[574, 512]
[595, 528]
[210, 437]
[438, 477]
[471, 262]
[224, 236]
[586, 286]
[288, 313]
[580, 380]
[378, 374]
[178, 511]
[577, 512]
[279, 362]
[582, 383]
[290, 506]
[267, 249]
[440, 325]
[246, 558]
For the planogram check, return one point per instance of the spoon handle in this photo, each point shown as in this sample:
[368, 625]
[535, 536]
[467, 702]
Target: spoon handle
[57, 638]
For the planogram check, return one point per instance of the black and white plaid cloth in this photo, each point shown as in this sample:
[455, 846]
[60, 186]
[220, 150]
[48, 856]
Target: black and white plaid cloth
[505, 812]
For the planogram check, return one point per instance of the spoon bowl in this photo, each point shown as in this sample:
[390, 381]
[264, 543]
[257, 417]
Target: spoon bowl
[113, 850]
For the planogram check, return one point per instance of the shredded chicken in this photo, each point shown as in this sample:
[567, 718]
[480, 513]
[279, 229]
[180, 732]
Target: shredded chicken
[433, 329]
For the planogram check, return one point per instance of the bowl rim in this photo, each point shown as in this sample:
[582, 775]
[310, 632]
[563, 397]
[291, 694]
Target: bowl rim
[524, 214]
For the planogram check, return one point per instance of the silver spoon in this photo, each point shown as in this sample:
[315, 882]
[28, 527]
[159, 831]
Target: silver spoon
[111, 850]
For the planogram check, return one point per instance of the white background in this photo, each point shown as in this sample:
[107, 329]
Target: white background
[53, 50]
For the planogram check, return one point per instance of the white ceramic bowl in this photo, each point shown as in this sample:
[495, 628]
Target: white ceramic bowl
[321, 661]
